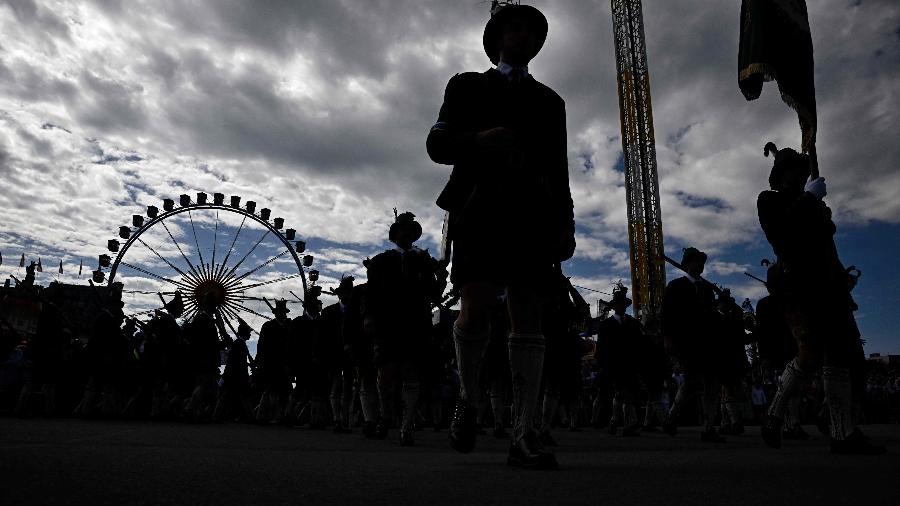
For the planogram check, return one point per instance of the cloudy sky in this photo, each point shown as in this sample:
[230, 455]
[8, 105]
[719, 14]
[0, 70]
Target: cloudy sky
[319, 111]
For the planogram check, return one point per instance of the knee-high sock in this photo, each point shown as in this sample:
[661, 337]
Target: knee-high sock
[386, 398]
[678, 401]
[615, 417]
[551, 403]
[410, 399]
[838, 392]
[336, 405]
[368, 400]
[653, 409]
[497, 406]
[732, 407]
[791, 380]
[470, 347]
[526, 361]
[346, 401]
[712, 391]
[629, 414]
[792, 412]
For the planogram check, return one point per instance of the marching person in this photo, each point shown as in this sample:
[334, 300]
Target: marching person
[814, 288]
[620, 350]
[273, 363]
[689, 321]
[337, 325]
[234, 396]
[203, 342]
[505, 135]
[402, 287]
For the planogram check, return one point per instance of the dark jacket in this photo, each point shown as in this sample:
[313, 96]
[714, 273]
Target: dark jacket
[688, 316]
[398, 298]
[530, 197]
[801, 232]
[621, 347]
[203, 341]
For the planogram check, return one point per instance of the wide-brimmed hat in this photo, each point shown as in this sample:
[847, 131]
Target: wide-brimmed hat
[620, 294]
[785, 159]
[280, 307]
[406, 219]
[175, 307]
[243, 329]
[691, 254]
[503, 12]
[345, 286]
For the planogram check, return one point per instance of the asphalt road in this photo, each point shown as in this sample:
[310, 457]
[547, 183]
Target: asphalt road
[108, 462]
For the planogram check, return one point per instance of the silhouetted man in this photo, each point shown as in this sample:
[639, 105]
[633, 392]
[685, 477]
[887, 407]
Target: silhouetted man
[272, 359]
[401, 290]
[815, 289]
[688, 324]
[620, 355]
[510, 214]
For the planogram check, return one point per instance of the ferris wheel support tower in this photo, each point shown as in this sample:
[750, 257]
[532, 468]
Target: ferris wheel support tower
[648, 273]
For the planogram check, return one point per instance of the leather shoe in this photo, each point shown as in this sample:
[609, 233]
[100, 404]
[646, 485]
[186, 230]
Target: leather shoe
[462, 427]
[669, 426]
[381, 430]
[529, 453]
[771, 432]
[711, 436]
[856, 444]
[796, 433]
[546, 439]
[406, 438]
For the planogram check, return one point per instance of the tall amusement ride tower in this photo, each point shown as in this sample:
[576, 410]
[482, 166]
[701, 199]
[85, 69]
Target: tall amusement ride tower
[648, 273]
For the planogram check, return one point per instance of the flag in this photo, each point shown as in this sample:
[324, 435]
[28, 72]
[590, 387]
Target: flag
[60, 267]
[80, 265]
[40, 268]
[776, 45]
[22, 261]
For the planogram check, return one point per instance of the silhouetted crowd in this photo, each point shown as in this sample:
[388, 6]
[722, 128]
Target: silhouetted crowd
[333, 368]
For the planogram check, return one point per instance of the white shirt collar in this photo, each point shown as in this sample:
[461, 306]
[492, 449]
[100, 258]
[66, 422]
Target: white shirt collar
[618, 318]
[401, 250]
[505, 68]
[692, 278]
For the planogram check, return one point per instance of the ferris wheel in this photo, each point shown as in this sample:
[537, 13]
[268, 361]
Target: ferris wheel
[239, 257]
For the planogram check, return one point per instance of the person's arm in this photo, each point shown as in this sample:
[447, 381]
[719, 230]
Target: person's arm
[562, 193]
[449, 141]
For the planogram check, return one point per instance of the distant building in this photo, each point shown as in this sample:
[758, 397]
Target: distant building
[891, 360]
[21, 307]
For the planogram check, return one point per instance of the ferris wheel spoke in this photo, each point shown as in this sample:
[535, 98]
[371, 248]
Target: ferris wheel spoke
[244, 288]
[231, 271]
[245, 297]
[145, 292]
[197, 242]
[157, 276]
[170, 264]
[186, 259]
[236, 280]
[193, 312]
[221, 269]
[215, 243]
[241, 307]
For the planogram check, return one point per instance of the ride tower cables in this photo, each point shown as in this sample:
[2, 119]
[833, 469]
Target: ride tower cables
[648, 273]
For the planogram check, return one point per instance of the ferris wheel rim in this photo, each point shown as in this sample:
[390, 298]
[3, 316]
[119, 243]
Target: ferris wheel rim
[160, 218]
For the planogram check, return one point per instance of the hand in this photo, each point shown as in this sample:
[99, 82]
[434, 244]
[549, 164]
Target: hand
[500, 138]
[816, 187]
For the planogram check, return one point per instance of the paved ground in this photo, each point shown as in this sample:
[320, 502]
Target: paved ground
[74, 461]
